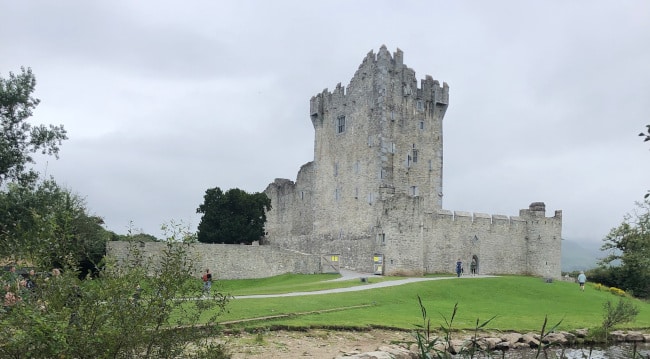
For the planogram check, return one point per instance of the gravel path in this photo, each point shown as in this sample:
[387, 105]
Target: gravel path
[350, 275]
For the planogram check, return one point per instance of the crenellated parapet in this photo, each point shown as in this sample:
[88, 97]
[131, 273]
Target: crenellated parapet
[526, 215]
[384, 75]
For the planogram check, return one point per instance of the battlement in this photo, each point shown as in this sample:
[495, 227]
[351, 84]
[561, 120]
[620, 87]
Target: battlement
[377, 74]
[536, 211]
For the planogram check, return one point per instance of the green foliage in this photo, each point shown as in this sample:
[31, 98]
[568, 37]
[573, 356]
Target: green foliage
[48, 226]
[18, 138]
[429, 344]
[623, 312]
[628, 246]
[232, 217]
[109, 316]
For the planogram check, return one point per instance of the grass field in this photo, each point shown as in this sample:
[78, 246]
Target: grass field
[519, 303]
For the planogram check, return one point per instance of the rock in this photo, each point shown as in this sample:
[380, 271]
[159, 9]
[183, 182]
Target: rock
[456, 345]
[530, 340]
[520, 345]
[491, 342]
[634, 337]
[646, 338]
[396, 352]
[511, 338]
[570, 337]
[557, 338]
[502, 346]
[617, 336]
[368, 355]
[581, 333]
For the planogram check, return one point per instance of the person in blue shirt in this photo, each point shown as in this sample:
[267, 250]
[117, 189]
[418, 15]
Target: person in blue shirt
[582, 278]
[459, 267]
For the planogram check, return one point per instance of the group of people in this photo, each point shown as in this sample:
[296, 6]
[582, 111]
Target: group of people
[582, 278]
[473, 267]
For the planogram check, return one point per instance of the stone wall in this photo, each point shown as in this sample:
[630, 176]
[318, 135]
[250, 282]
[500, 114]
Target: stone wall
[231, 261]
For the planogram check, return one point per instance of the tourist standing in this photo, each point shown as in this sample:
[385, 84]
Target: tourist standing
[207, 282]
[459, 267]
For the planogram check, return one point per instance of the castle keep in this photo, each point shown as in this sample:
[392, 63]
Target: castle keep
[371, 200]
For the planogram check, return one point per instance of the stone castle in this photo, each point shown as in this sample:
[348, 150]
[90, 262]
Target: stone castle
[371, 200]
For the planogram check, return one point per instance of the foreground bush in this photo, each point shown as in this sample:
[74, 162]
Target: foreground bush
[121, 313]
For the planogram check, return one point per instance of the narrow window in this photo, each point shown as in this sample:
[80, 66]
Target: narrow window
[356, 167]
[302, 195]
[430, 165]
[415, 154]
[408, 160]
[422, 125]
[371, 198]
[336, 169]
[381, 238]
[337, 194]
[414, 191]
[356, 192]
[420, 105]
[340, 124]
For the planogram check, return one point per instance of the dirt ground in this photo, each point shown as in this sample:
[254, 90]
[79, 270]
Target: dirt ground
[317, 343]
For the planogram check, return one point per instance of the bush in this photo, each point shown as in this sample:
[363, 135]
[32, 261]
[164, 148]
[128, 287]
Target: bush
[617, 291]
[623, 312]
[109, 317]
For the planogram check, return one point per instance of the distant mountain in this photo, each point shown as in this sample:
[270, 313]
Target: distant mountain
[580, 255]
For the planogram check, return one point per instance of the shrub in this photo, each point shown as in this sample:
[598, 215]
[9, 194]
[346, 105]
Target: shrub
[109, 317]
[617, 291]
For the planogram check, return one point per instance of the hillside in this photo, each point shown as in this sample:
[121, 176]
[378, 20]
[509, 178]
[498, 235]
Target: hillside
[580, 254]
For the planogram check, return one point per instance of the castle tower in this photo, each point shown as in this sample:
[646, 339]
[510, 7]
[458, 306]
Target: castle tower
[379, 137]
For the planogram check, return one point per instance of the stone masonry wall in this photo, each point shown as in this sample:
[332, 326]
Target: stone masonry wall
[231, 261]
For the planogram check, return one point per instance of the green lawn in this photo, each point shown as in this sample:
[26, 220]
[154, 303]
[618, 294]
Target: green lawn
[520, 303]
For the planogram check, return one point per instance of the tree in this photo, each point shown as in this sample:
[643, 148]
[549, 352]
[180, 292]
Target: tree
[629, 252]
[49, 226]
[232, 217]
[18, 138]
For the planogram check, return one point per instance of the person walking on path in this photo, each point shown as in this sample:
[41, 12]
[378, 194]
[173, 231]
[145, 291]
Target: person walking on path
[582, 278]
[459, 267]
[207, 282]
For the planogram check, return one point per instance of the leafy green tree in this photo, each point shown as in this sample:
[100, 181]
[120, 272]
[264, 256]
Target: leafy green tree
[18, 138]
[49, 226]
[628, 248]
[232, 217]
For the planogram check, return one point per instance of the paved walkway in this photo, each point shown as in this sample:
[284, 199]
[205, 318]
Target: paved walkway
[350, 275]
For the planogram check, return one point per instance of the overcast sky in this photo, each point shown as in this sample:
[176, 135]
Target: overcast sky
[165, 99]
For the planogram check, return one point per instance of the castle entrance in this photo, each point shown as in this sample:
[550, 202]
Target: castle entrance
[330, 263]
[378, 263]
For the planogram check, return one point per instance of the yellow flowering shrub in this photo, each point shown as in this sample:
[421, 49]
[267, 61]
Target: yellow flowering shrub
[616, 291]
